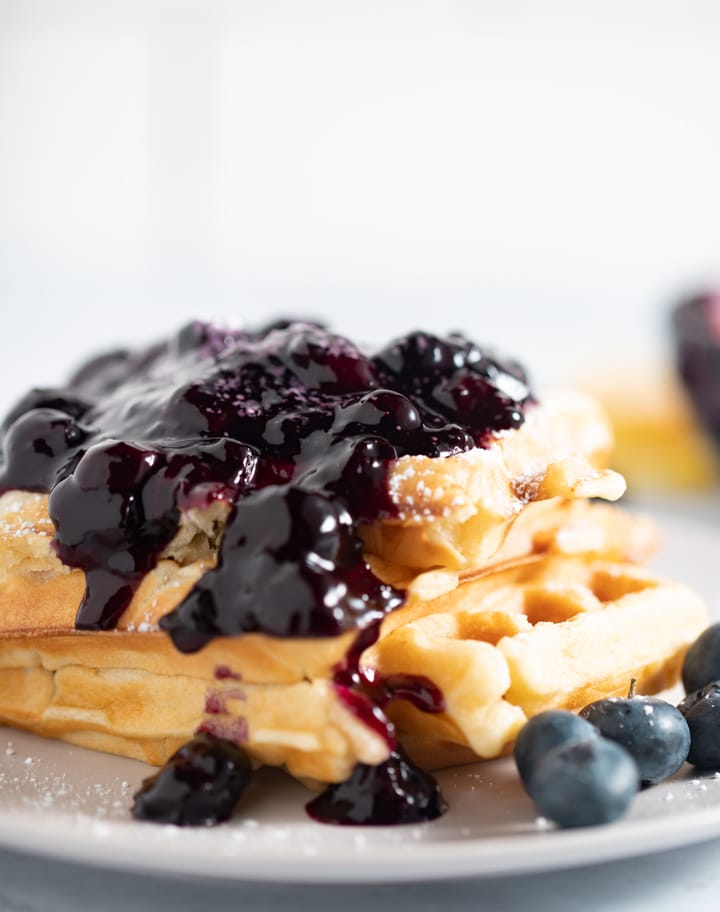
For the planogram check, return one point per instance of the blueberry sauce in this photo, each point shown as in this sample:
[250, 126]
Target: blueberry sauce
[393, 792]
[292, 427]
[367, 711]
[421, 692]
[223, 673]
[199, 786]
[366, 699]
[294, 430]
[351, 677]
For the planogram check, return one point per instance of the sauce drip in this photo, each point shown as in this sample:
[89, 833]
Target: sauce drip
[393, 792]
[199, 786]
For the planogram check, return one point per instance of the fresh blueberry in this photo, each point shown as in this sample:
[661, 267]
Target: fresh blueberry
[543, 733]
[653, 731]
[702, 662]
[703, 719]
[585, 783]
[687, 703]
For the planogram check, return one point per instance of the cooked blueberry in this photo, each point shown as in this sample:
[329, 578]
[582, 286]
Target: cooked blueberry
[324, 361]
[419, 357]
[703, 719]
[653, 731]
[55, 399]
[199, 786]
[543, 733]
[585, 783]
[479, 401]
[37, 445]
[449, 440]
[396, 791]
[382, 410]
[456, 379]
[217, 414]
[702, 661]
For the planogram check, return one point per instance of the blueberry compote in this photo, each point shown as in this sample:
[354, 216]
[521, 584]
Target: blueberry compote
[199, 785]
[293, 428]
[392, 792]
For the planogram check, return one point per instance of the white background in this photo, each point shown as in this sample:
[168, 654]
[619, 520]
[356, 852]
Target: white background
[545, 175]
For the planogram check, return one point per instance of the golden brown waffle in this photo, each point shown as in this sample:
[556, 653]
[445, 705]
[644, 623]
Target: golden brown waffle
[550, 631]
[503, 559]
[456, 512]
[554, 596]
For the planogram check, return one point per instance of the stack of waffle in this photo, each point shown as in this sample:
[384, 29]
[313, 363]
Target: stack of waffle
[522, 595]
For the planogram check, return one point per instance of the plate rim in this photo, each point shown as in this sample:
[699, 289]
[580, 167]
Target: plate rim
[453, 858]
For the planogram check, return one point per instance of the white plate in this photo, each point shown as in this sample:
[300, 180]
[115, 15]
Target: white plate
[69, 803]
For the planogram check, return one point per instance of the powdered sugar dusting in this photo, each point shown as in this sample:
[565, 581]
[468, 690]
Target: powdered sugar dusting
[33, 781]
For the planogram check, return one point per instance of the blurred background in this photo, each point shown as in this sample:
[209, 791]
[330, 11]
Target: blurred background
[544, 175]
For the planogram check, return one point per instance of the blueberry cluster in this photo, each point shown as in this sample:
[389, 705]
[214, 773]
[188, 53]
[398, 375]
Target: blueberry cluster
[701, 706]
[583, 770]
[651, 730]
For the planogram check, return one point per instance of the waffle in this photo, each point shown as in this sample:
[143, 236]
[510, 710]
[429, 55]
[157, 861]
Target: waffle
[552, 631]
[493, 546]
[530, 629]
[455, 513]
[452, 513]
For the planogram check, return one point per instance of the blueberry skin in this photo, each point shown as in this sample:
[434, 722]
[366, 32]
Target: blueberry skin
[691, 699]
[586, 783]
[703, 719]
[702, 662]
[544, 732]
[653, 731]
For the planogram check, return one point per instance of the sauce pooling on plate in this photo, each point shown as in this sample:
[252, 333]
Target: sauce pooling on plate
[390, 793]
[293, 427]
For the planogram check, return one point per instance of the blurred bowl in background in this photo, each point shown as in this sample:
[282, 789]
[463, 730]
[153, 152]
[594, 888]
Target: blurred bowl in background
[696, 333]
[660, 445]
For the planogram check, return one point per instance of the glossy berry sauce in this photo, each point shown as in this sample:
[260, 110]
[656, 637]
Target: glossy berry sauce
[393, 792]
[294, 429]
[199, 786]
